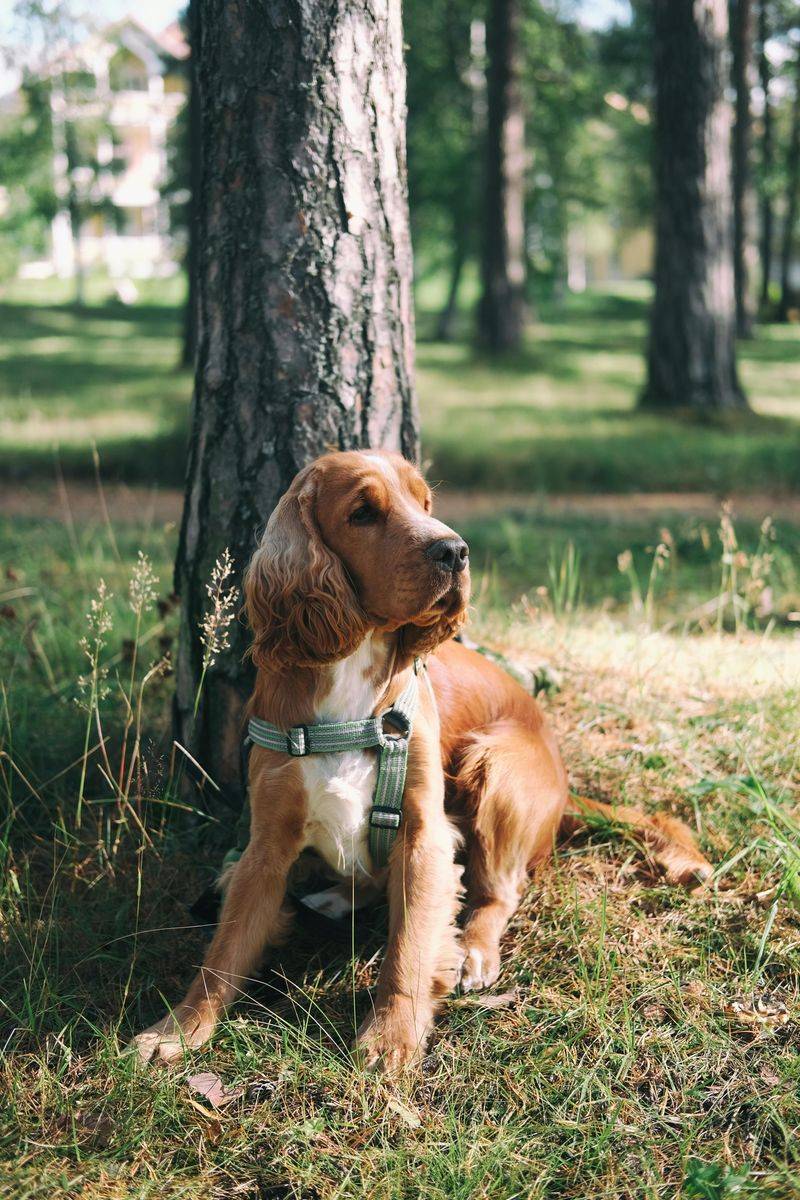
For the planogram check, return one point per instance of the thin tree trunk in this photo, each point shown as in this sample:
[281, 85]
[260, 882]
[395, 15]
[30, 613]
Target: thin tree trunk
[767, 154]
[501, 312]
[77, 247]
[304, 290]
[791, 206]
[445, 326]
[741, 15]
[189, 341]
[691, 353]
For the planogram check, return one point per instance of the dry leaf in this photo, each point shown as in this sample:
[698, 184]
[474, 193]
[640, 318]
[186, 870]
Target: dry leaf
[488, 999]
[211, 1087]
[764, 1010]
[406, 1114]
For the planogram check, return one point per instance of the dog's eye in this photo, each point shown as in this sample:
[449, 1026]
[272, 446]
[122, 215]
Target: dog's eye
[365, 514]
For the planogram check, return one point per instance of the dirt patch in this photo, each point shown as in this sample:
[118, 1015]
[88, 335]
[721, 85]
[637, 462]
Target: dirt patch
[456, 505]
[139, 505]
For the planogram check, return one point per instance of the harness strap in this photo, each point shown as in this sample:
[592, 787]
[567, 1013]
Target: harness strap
[334, 737]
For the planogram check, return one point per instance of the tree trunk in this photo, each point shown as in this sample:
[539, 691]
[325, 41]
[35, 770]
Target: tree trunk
[791, 205]
[691, 353]
[765, 205]
[189, 340]
[501, 311]
[445, 326]
[741, 15]
[304, 291]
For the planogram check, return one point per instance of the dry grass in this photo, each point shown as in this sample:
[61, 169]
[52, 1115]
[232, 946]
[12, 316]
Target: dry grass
[632, 1061]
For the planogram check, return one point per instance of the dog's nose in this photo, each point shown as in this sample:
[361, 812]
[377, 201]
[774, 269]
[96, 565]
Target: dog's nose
[450, 553]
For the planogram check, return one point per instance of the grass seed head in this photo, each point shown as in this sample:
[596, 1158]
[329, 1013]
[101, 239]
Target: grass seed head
[215, 625]
[142, 587]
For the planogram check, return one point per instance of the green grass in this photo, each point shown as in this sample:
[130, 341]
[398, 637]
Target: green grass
[622, 1070]
[625, 1067]
[106, 375]
[559, 418]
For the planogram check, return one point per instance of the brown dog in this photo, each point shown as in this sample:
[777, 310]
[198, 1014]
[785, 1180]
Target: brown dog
[354, 580]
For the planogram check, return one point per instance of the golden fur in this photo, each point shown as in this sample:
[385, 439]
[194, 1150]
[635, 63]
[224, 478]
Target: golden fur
[341, 594]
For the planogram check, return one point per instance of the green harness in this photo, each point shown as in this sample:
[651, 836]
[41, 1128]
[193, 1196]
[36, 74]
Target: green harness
[334, 737]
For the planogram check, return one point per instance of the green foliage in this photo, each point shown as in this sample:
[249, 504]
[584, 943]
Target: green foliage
[564, 103]
[444, 161]
[26, 171]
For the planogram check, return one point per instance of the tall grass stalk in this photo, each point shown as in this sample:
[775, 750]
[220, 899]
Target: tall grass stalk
[93, 684]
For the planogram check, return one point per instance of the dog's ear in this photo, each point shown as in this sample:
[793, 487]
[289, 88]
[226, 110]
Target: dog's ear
[418, 640]
[300, 604]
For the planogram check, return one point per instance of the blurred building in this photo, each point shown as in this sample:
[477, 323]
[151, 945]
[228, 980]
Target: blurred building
[123, 88]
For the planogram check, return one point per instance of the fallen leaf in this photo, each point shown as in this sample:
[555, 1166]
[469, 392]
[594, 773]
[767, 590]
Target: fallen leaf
[764, 1010]
[488, 999]
[408, 1115]
[211, 1087]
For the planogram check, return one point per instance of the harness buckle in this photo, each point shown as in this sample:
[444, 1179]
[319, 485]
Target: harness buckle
[298, 746]
[384, 817]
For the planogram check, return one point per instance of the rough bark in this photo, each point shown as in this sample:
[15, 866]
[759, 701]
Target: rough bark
[791, 203]
[766, 220]
[501, 311]
[691, 353]
[741, 17]
[304, 291]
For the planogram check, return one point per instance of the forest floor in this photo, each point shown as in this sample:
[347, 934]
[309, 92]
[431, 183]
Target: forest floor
[641, 1041]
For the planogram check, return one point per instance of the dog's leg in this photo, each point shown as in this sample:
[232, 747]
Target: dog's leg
[252, 918]
[512, 789]
[422, 954]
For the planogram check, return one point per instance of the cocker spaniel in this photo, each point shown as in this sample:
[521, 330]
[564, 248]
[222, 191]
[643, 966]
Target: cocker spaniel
[354, 587]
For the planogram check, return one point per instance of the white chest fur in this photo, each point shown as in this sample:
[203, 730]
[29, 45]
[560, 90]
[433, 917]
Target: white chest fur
[340, 787]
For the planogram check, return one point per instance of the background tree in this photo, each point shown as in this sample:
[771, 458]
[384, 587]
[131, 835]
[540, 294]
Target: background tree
[741, 30]
[691, 360]
[767, 155]
[442, 141]
[792, 198]
[26, 174]
[501, 311]
[562, 90]
[182, 187]
[304, 289]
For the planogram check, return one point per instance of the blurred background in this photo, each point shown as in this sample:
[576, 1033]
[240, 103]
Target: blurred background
[96, 162]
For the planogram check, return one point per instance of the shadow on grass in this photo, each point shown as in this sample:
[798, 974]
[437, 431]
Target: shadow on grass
[36, 375]
[160, 460]
[25, 321]
[635, 452]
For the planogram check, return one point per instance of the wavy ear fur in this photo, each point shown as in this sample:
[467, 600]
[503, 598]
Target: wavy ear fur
[300, 604]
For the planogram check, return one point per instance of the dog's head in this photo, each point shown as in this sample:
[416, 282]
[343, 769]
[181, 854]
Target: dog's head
[352, 547]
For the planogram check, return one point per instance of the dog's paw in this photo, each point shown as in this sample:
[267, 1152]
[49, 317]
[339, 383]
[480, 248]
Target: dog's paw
[480, 968]
[170, 1037]
[392, 1040]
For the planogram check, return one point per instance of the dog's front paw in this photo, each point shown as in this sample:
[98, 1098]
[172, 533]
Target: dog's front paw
[480, 967]
[393, 1038]
[166, 1041]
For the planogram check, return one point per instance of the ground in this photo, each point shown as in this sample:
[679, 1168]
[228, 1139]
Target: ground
[641, 1042]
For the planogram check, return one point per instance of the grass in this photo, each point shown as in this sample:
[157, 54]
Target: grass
[559, 418]
[646, 1051]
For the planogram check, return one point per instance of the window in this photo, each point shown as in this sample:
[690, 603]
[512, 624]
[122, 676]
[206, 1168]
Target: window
[127, 73]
